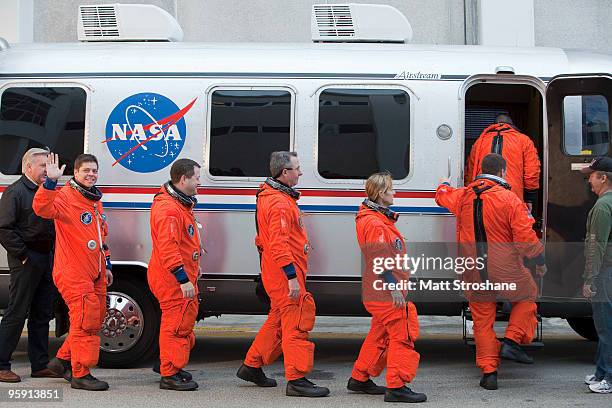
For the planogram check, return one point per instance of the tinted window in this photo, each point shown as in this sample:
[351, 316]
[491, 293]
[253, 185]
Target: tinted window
[246, 126]
[586, 125]
[363, 131]
[41, 117]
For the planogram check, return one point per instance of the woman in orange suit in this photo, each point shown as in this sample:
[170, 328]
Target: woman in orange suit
[395, 327]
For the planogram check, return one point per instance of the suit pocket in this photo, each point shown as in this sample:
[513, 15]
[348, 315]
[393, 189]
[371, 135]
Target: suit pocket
[90, 312]
[412, 321]
[308, 311]
[186, 321]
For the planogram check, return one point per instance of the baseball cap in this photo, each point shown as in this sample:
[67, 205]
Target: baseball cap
[603, 163]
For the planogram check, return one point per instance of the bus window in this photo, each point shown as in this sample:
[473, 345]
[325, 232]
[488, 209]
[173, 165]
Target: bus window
[245, 127]
[586, 125]
[44, 117]
[363, 131]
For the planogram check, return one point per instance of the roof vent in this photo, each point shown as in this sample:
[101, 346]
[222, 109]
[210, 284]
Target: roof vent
[359, 23]
[127, 22]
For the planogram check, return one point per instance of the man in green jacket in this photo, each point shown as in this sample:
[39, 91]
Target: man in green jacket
[598, 270]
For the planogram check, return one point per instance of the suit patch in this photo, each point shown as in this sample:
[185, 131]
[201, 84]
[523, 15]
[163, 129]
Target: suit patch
[91, 244]
[306, 248]
[86, 218]
[190, 230]
[195, 255]
[398, 244]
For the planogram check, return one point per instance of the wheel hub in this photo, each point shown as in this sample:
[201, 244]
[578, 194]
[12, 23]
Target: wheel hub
[123, 323]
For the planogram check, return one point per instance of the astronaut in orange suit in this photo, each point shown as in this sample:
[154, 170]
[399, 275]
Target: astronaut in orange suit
[173, 271]
[495, 225]
[283, 245]
[523, 164]
[395, 326]
[82, 267]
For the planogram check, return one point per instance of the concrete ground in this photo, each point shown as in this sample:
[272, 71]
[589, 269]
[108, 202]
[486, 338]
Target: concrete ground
[447, 373]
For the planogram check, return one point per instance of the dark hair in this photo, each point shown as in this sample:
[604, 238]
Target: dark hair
[493, 164]
[504, 118]
[182, 167]
[84, 158]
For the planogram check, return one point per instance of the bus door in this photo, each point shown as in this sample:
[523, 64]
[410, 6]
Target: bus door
[578, 113]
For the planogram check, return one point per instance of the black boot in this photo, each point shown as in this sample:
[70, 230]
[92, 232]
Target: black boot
[510, 350]
[404, 394]
[88, 383]
[61, 367]
[489, 381]
[176, 383]
[305, 388]
[68, 375]
[58, 365]
[185, 375]
[255, 375]
[366, 387]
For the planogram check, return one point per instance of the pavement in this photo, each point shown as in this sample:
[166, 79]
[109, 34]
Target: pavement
[447, 373]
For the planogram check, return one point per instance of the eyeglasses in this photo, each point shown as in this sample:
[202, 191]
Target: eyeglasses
[291, 168]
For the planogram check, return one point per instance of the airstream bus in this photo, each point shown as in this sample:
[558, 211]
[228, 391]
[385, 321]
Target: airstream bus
[348, 108]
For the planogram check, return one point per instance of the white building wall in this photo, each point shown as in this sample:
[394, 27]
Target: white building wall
[492, 26]
[16, 22]
[558, 23]
[574, 24]
[433, 21]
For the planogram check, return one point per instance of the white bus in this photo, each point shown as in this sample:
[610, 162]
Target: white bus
[348, 109]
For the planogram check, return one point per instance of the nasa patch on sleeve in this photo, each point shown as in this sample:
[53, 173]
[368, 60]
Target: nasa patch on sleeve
[146, 132]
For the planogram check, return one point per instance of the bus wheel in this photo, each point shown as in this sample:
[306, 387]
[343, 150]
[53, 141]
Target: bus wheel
[130, 331]
[584, 326]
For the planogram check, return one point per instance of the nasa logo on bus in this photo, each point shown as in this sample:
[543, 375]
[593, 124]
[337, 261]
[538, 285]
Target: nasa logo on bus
[86, 218]
[146, 132]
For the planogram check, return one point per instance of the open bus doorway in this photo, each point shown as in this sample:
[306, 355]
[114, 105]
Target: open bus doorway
[524, 104]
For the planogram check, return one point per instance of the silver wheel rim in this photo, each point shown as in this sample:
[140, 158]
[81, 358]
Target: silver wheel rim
[123, 323]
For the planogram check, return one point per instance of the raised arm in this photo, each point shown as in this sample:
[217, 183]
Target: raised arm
[45, 204]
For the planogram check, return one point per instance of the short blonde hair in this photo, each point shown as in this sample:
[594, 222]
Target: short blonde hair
[29, 155]
[378, 183]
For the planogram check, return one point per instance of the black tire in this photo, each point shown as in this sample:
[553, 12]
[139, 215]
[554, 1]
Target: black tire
[584, 326]
[131, 300]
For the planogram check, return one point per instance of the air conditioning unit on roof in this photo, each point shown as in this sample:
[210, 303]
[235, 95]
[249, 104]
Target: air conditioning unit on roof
[359, 23]
[127, 22]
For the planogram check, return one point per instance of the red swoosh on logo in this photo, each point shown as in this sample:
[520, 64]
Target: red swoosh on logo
[169, 120]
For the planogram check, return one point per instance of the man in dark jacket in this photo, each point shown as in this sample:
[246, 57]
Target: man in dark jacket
[28, 240]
